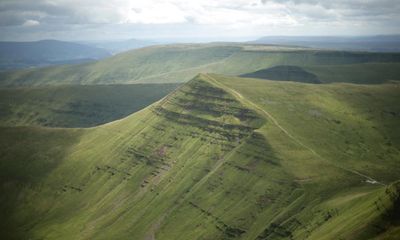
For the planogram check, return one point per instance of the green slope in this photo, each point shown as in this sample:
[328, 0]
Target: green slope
[219, 158]
[75, 105]
[180, 63]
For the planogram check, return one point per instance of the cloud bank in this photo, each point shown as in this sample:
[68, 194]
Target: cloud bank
[95, 19]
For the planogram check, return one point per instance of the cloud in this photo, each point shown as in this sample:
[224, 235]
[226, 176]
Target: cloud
[367, 9]
[251, 17]
[30, 23]
[200, 11]
[143, 12]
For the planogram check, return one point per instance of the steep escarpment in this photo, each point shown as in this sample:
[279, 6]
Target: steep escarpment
[143, 168]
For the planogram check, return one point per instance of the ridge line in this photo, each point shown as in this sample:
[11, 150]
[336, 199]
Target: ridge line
[241, 98]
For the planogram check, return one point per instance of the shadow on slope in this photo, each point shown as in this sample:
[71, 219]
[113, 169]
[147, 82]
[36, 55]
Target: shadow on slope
[77, 105]
[284, 73]
[27, 157]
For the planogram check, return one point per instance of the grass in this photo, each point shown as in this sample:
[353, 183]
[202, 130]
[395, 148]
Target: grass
[219, 158]
[76, 106]
[180, 63]
[364, 73]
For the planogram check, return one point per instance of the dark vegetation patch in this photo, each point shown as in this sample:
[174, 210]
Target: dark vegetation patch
[70, 187]
[231, 131]
[390, 210]
[228, 231]
[275, 231]
[113, 171]
[393, 193]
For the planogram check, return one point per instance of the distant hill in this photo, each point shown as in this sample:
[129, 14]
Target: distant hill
[46, 52]
[181, 62]
[384, 43]
[115, 47]
[284, 73]
[221, 158]
[77, 105]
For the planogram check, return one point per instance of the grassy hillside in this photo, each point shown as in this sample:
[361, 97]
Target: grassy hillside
[370, 73]
[219, 158]
[180, 63]
[76, 106]
[115, 47]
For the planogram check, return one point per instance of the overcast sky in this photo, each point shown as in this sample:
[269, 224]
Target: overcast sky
[25, 20]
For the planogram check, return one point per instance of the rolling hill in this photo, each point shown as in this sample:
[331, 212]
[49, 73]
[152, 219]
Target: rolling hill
[14, 55]
[220, 157]
[74, 105]
[181, 62]
[115, 47]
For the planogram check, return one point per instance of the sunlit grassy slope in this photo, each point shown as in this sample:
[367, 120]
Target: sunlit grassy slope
[76, 106]
[180, 63]
[219, 158]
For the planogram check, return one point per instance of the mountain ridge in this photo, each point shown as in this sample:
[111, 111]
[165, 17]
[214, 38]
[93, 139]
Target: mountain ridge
[14, 55]
[181, 62]
[204, 162]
